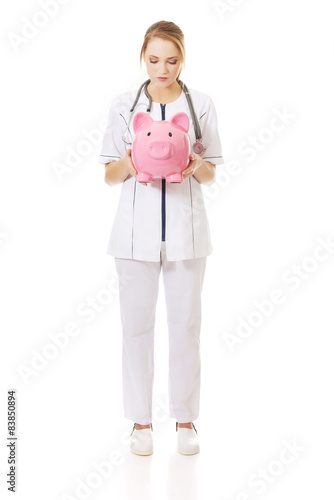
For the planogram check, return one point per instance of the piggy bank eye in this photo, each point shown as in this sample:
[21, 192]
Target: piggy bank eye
[170, 134]
[148, 133]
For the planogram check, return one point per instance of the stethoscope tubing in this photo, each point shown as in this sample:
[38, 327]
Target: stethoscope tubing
[185, 89]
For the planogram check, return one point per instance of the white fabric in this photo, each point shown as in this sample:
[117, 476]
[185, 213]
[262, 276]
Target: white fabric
[136, 231]
[183, 281]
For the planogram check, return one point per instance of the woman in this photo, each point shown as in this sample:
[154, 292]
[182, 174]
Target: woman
[158, 226]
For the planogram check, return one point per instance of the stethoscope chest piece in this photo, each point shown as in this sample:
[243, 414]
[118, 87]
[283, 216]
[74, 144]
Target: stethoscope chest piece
[198, 148]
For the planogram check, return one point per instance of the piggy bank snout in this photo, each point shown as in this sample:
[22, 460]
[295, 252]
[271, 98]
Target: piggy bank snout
[160, 150]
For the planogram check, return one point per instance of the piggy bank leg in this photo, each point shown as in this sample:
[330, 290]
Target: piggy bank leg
[144, 177]
[177, 177]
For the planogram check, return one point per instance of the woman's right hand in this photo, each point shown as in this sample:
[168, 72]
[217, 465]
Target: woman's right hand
[129, 163]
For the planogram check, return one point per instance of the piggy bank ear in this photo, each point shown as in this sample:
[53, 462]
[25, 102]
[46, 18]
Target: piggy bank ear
[180, 121]
[141, 120]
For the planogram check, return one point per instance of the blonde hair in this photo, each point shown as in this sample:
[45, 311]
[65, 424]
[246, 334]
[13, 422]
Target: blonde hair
[167, 31]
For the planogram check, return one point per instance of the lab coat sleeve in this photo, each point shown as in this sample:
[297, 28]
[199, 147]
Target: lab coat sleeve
[211, 139]
[113, 147]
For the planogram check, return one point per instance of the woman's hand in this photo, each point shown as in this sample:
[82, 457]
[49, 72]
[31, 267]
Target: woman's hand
[130, 165]
[196, 162]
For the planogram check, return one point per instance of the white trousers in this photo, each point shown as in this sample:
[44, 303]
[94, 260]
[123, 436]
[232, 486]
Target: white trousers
[183, 281]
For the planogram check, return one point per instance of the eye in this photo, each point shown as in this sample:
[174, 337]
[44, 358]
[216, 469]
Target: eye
[170, 62]
[170, 134]
[148, 133]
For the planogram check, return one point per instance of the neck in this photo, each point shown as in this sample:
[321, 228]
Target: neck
[167, 94]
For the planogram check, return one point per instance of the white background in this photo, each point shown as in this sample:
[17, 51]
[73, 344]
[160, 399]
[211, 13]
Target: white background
[276, 385]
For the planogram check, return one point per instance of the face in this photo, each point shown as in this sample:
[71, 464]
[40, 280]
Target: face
[162, 59]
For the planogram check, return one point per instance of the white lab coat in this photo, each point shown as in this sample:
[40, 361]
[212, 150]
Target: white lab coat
[137, 227]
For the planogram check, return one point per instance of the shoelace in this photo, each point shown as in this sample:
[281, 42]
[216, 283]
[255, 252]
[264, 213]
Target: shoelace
[134, 427]
[177, 426]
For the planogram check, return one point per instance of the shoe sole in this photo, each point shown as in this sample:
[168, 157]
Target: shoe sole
[192, 452]
[143, 453]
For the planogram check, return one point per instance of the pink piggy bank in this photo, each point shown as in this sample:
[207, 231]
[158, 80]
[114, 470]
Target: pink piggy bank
[160, 149]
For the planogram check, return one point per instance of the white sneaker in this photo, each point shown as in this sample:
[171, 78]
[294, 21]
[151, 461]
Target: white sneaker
[141, 441]
[187, 440]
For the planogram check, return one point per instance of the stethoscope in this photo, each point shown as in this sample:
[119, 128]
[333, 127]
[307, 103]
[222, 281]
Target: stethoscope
[198, 147]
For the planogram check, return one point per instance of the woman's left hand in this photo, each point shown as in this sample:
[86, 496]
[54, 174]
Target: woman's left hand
[196, 162]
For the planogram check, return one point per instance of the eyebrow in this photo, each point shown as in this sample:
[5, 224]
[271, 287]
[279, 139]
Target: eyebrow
[173, 57]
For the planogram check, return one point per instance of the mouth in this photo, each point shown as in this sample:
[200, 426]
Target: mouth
[162, 79]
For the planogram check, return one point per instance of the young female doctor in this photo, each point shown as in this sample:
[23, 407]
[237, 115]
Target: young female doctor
[161, 226]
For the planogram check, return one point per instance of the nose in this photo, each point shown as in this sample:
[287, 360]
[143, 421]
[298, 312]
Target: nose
[163, 68]
[159, 150]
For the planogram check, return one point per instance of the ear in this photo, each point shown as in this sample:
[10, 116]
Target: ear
[141, 120]
[180, 121]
